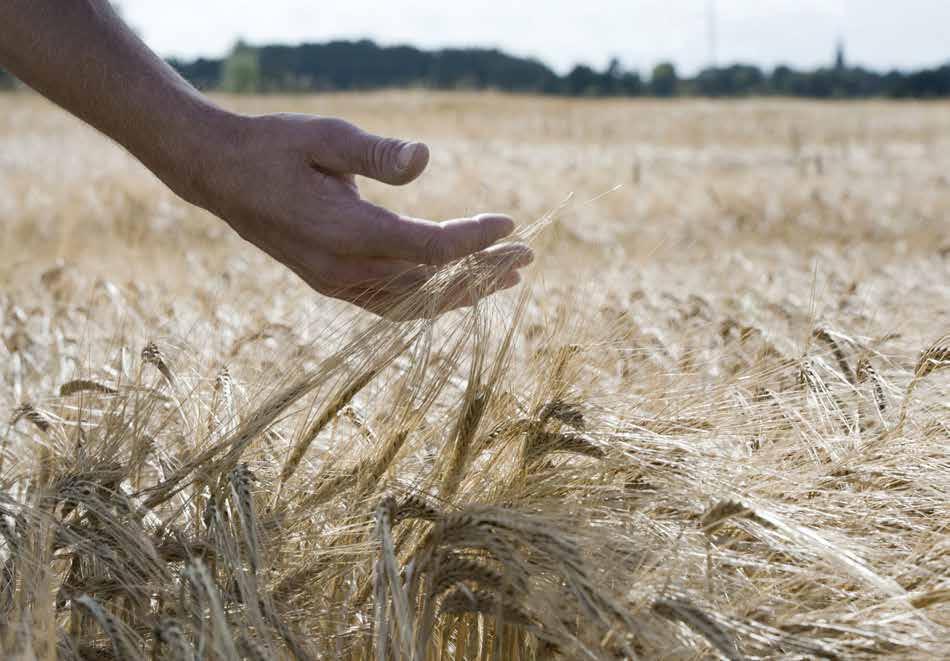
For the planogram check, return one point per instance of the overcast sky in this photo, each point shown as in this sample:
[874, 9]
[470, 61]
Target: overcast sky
[879, 33]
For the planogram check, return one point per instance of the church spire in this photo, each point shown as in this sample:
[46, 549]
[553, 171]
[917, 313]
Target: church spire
[840, 60]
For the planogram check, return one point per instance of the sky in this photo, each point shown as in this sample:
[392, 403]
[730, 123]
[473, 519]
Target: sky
[882, 34]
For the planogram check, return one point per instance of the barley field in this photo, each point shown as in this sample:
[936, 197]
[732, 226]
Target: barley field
[712, 423]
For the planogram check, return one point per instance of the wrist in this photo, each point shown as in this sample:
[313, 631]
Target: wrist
[193, 147]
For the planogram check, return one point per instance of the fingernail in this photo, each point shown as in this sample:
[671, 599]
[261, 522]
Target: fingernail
[510, 280]
[515, 255]
[406, 154]
[525, 257]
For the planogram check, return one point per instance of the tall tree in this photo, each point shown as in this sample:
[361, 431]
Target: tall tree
[665, 80]
[241, 72]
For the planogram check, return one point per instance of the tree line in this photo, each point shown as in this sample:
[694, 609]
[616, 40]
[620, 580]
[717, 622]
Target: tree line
[364, 65]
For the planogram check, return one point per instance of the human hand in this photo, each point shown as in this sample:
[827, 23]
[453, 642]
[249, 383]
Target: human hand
[286, 184]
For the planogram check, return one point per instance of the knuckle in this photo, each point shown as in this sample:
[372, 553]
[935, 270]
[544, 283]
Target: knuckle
[381, 220]
[380, 153]
[335, 126]
[484, 235]
[365, 153]
[436, 248]
[337, 137]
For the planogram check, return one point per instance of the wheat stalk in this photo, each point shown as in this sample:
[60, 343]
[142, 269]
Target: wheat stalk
[932, 359]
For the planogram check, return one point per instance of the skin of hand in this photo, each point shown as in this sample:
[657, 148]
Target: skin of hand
[285, 183]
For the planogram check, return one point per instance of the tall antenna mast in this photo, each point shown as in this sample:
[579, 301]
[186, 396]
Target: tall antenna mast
[711, 31]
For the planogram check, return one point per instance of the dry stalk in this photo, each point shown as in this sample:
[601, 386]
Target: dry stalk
[330, 411]
[826, 336]
[82, 385]
[32, 415]
[152, 355]
[936, 357]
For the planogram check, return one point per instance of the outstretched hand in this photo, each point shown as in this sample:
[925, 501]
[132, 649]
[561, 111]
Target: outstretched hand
[283, 182]
[286, 184]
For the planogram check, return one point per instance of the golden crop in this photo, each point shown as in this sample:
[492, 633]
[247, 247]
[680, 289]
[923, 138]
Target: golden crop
[712, 423]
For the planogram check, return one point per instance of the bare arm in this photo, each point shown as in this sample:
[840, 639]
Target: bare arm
[283, 182]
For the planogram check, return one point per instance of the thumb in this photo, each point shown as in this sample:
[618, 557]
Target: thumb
[350, 150]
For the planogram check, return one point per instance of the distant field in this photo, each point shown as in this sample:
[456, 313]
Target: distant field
[716, 423]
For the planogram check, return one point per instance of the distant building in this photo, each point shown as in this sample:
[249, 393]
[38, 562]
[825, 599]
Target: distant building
[840, 61]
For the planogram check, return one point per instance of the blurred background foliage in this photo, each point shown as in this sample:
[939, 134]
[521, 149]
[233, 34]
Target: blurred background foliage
[362, 65]
[365, 65]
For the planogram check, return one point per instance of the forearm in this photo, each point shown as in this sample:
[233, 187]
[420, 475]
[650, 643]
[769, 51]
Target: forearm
[283, 182]
[79, 54]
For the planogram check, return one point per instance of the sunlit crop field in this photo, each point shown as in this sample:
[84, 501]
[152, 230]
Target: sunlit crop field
[713, 422]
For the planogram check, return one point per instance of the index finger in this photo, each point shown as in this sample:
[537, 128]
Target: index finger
[386, 234]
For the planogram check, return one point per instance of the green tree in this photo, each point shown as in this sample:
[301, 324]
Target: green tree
[665, 80]
[241, 71]
[582, 80]
[346, 65]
